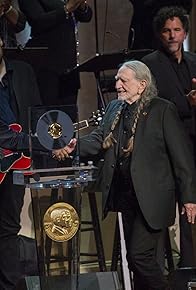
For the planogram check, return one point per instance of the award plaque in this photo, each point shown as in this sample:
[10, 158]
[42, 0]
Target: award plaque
[56, 191]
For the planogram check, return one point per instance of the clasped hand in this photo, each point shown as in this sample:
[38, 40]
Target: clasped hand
[190, 210]
[72, 5]
[61, 154]
[4, 6]
[192, 94]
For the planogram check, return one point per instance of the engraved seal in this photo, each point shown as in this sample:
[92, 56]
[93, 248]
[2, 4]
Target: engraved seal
[61, 222]
[55, 130]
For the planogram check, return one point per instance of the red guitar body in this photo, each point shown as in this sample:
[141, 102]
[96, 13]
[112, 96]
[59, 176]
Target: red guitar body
[12, 160]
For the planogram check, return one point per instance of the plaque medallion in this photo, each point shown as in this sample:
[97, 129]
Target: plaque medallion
[54, 129]
[61, 222]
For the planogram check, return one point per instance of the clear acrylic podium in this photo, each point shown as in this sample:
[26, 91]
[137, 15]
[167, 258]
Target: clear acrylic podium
[56, 200]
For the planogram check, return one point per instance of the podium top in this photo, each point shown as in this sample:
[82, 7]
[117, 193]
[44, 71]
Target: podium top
[110, 61]
[65, 177]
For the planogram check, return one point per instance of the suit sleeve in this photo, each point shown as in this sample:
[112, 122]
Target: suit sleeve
[92, 144]
[12, 140]
[180, 152]
[16, 141]
[20, 25]
[40, 20]
[83, 16]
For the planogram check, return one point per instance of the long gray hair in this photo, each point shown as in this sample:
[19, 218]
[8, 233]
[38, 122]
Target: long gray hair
[142, 72]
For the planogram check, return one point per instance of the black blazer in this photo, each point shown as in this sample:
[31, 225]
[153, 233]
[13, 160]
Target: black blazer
[157, 163]
[50, 28]
[25, 90]
[169, 86]
[26, 94]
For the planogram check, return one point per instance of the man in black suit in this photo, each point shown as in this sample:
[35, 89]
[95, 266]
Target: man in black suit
[143, 14]
[18, 91]
[141, 167]
[54, 24]
[174, 71]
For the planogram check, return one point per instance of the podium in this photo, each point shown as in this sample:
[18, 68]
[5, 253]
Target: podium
[56, 200]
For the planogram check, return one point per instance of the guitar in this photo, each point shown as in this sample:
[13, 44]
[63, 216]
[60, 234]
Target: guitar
[17, 160]
[93, 120]
[12, 160]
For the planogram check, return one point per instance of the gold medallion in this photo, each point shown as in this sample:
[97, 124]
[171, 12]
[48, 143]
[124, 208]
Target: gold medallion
[61, 222]
[55, 130]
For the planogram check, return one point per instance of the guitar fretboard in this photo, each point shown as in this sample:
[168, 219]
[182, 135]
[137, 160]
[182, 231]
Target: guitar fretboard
[81, 125]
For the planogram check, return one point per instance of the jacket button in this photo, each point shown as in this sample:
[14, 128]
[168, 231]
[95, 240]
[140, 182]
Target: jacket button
[112, 166]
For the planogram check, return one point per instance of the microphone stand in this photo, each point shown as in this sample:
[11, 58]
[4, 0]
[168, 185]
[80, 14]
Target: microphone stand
[96, 28]
[101, 101]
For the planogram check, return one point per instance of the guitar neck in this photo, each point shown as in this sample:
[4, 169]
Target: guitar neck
[81, 125]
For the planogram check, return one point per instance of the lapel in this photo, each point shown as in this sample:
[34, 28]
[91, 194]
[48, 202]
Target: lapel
[118, 129]
[140, 129]
[166, 67]
[117, 134]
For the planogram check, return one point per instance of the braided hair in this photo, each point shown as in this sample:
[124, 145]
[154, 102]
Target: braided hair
[109, 139]
[142, 72]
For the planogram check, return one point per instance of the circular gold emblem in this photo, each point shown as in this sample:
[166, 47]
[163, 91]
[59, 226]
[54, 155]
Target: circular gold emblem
[55, 130]
[61, 222]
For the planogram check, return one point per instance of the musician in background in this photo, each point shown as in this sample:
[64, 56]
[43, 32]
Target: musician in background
[141, 30]
[18, 91]
[12, 21]
[171, 65]
[54, 24]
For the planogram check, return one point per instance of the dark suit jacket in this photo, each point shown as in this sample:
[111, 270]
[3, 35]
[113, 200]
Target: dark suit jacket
[51, 29]
[169, 86]
[25, 90]
[156, 160]
[26, 94]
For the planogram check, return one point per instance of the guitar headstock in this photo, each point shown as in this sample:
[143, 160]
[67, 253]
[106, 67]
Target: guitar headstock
[93, 120]
[96, 117]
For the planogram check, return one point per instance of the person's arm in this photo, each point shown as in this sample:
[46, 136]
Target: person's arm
[42, 21]
[91, 144]
[12, 140]
[17, 141]
[84, 12]
[192, 94]
[38, 18]
[14, 16]
[182, 159]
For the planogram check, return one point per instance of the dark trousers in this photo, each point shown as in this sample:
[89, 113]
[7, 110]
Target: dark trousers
[187, 251]
[141, 243]
[11, 202]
